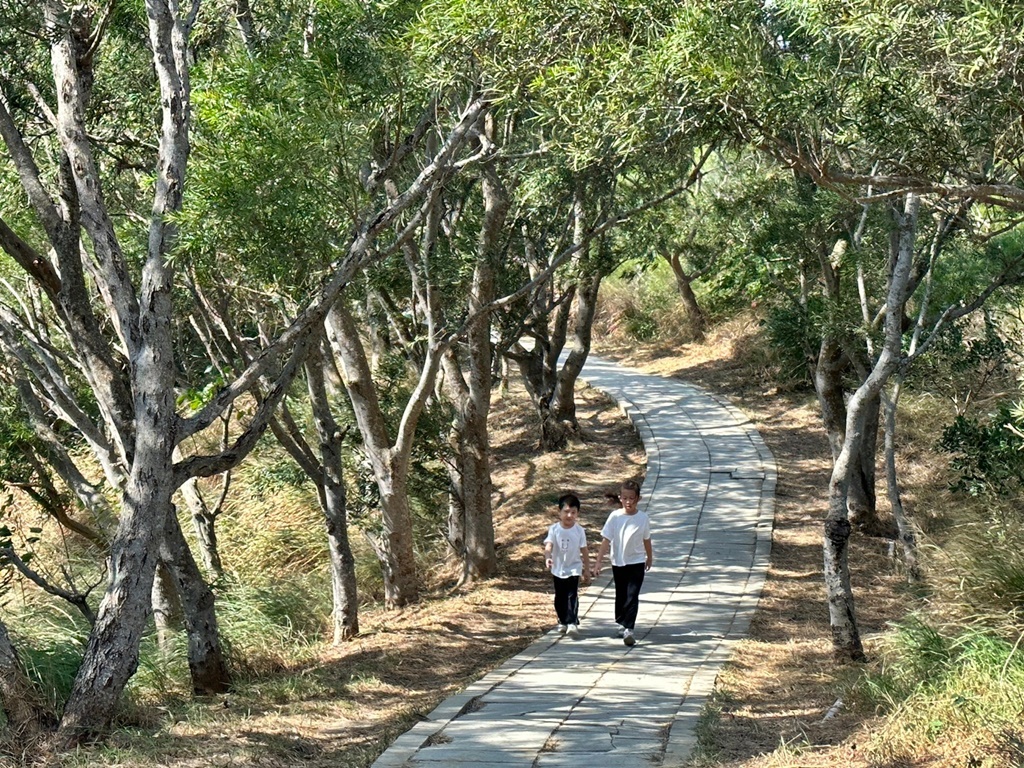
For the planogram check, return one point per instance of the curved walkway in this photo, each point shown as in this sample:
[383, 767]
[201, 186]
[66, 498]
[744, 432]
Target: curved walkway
[592, 701]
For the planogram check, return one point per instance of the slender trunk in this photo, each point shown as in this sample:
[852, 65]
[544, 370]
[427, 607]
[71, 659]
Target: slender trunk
[344, 591]
[842, 618]
[166, 608]
[862, 495]
[470, 518]
[456, 506]
[828, 385]
[333, 502]
[206, 662]
[684, 285]
[474, 441]
[390, 465]
[204, 521]
[563, 404]
[481, 559]
[905, 529]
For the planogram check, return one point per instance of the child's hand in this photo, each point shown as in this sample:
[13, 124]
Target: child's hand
[548, 563]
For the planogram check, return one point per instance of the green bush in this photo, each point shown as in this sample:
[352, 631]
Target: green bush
[987, 456]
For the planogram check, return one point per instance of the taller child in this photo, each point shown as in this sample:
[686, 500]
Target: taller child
[627, 533]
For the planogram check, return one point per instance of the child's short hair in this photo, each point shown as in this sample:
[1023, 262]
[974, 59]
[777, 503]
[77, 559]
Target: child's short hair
[568, 500]
[628, 485]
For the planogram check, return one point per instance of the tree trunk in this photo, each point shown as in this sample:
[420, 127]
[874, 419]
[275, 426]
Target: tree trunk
[401, 586]
[18, 700]
[166, 608]
[204, 522]
[828, 385]
[842, 618]
[206, 662]
[112, 653]
[563, 404]
[905, 529]
[390, 465]
[846, 641]
[684, 285]
[862, 495]
[456, 506]
[333, 502]
[470, 519]
[472, 397]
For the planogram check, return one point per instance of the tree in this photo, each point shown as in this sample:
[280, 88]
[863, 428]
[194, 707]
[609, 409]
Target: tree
[122, 337]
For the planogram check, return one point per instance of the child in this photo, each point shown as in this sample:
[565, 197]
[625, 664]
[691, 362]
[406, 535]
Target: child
[628, 534]
[567, 557]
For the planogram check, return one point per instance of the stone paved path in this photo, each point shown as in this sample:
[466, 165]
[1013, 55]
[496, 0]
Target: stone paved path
[592, 702]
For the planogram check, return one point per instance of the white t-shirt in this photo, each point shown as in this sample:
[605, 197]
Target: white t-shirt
[627, 534]
[566, 544]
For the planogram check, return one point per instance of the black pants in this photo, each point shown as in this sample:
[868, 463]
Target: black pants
[628, 580]
[567, 599]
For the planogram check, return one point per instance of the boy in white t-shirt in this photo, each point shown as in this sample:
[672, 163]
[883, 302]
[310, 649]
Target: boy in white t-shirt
[627, 533]
[567, 557]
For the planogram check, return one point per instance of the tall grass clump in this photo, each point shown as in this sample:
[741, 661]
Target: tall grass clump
[51, 639]
[954, 690]
[952, 676]
[268, 628]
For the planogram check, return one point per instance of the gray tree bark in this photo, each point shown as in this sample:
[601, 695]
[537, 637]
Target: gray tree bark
[472, 530]
[684, 285]
[846, 639]
[388, 461]
[204, 523]
[166, 608]
[111, 655]
[333, 502]
[207, 663]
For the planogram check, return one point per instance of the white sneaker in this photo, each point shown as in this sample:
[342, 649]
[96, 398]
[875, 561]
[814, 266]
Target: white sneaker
[574, 630]
[619, 630]
[627, 637]
[561, 628]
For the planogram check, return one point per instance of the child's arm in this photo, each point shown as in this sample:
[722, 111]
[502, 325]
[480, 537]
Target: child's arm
[548, 561]
[650, 554]
[601, 553]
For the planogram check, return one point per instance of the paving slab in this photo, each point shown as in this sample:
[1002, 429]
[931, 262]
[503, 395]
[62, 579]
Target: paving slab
[592, 701]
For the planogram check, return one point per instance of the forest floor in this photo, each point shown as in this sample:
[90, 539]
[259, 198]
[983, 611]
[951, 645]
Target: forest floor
[343, 707]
